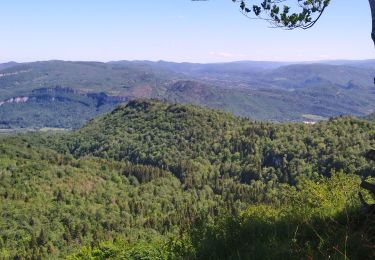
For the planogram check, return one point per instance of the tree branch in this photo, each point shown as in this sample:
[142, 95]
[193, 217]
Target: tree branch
[372, 7]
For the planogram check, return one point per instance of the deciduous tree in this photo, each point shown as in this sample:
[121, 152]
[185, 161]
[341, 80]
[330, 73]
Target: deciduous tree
[291, 14]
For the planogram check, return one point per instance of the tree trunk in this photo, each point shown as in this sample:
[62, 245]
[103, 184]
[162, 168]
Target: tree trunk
[372, 6]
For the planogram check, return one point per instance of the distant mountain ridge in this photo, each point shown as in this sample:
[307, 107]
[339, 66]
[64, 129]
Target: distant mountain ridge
[275, 91]
[8, 65]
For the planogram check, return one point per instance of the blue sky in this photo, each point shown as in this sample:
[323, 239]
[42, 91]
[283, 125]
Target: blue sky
[174, 30]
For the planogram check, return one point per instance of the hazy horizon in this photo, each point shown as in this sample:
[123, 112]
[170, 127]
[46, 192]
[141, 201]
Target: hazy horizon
[180, 62]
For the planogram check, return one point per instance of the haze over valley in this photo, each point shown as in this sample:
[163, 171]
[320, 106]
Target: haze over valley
[187, 130]
[63, 94]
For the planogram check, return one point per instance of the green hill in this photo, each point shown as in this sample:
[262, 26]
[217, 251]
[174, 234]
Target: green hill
[159, 180]
[55, 107]
[82, 76]
[300, 76]
[163, 135]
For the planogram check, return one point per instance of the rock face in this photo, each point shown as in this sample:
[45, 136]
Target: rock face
[15, 100]
[62, 94]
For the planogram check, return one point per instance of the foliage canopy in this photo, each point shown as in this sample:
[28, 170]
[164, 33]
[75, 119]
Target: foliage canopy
[298, 14]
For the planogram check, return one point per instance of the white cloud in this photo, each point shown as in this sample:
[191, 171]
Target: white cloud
[324, 56]
[222, 54]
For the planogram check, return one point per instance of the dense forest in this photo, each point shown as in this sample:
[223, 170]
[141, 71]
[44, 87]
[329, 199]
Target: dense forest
[155, 180]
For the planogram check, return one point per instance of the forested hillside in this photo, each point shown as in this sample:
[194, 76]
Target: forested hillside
[171, 130]
[52, 204]
[163, 135]
[45, 94]
[154, 180]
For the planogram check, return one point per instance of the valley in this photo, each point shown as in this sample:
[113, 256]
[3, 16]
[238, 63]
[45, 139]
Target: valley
[155, 159]
[187, 130]
[61, 94]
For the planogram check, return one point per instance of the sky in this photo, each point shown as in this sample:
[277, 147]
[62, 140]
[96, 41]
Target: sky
[174, 30]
